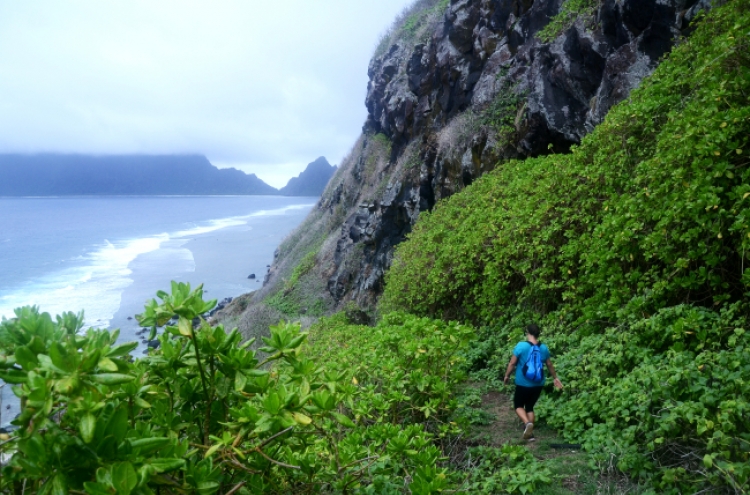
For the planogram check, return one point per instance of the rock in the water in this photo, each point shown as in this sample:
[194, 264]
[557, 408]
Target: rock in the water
[251, 276]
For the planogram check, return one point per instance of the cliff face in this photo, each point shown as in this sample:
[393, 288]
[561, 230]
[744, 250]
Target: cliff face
[455, 94]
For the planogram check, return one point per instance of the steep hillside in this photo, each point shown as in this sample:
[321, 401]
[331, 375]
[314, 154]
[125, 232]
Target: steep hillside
[631, 252]
[455, 90]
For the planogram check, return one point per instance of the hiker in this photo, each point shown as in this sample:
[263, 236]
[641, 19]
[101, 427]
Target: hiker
[529, 377]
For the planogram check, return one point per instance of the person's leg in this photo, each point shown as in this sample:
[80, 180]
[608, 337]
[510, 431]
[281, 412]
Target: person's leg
[519, 403]
[521, 412]
[532, 395]
[521, 400]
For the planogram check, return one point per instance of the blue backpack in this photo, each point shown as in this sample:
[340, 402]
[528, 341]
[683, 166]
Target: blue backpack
[532, 369]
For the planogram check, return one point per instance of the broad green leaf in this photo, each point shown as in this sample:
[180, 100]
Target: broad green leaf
[111, 378]
[146, 445]
[185, 327]
[208, 487]
[302, 419]
[272, 403]
[118, 425]
[124, 478]
[240, 380]
[97, 488]
[13, 376]
[122, 349]
[344, 420]
[213, 450]
[87, 427]
[58, 485]
[107, 364]
[163, 465]
[61, 358]
[26, 358]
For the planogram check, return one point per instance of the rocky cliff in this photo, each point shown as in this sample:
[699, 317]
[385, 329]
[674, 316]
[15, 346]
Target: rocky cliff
[457, 89]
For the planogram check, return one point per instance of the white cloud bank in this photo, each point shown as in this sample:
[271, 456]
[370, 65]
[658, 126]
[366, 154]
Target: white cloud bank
[265, 86]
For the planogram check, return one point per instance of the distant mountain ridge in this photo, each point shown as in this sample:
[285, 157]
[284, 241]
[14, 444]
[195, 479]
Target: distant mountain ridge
[68, 175]
[312, 181]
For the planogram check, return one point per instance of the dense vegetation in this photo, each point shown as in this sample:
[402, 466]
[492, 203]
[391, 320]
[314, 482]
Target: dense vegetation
[203, 415]
[631, 250]
[375, 412]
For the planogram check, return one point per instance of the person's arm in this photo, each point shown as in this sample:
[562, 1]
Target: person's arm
[511, 367]
[551, 368]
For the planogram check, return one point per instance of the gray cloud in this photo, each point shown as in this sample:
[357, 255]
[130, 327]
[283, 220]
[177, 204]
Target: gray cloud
[263, 86]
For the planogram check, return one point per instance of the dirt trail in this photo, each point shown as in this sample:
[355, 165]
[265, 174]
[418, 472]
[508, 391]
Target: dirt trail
[506, 428]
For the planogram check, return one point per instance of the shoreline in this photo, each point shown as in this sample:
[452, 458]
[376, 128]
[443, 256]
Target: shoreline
[221, 259]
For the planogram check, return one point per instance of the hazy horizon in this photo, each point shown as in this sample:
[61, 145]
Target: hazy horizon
[263, 88]
[150, 155]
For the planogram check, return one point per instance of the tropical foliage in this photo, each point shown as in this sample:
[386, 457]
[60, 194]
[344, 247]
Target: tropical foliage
[199, 415]
[631, 250]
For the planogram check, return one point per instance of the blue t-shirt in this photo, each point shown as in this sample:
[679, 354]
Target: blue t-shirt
[522, 351]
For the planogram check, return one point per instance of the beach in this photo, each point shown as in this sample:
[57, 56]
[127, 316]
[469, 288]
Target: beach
[221, 254]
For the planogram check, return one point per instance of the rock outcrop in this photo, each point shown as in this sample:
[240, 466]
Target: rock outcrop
[487, 82]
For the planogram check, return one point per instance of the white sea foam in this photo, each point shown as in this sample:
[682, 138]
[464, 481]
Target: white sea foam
[210, 227]
[96, 281]
[278, 211]
[95, 285]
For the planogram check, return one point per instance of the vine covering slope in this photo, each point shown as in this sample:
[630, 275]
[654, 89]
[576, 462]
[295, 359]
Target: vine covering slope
[632, 250]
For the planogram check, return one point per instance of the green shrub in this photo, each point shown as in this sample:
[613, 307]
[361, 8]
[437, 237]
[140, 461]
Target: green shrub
[509, 469]
[631, 252]
[570, 11]
[650, 210]
[201, 414]
[413, 25]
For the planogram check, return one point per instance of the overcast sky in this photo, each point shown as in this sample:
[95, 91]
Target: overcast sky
[266, 86]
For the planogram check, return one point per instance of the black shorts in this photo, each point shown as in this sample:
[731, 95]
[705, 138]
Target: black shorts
[526, 397]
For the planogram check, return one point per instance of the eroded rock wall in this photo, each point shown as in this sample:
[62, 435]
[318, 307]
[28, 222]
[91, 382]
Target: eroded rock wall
[430, 99]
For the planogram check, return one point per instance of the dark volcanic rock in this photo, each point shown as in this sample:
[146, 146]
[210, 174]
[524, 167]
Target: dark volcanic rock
[479, 53]
[483, 46]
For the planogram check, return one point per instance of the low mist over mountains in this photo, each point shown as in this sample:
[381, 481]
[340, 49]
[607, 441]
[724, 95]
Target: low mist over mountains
[71, 175]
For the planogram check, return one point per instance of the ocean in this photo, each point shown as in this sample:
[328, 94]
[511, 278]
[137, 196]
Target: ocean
[108, 255]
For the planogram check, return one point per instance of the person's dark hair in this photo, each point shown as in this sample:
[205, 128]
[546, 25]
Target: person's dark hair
[533, 330]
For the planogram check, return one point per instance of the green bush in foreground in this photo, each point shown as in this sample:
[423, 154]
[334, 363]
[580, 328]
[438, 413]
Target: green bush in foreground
[202, 415]
[374, 413]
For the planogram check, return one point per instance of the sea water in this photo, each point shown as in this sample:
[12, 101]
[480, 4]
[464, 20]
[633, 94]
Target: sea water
[108, 255]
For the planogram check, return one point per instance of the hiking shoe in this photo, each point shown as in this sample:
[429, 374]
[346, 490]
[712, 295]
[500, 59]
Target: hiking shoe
[531, 439]
[528, 431]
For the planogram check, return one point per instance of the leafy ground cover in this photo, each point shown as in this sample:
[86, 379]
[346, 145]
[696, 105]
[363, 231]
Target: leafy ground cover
[379, 410]
[631, 251]
[202, 415]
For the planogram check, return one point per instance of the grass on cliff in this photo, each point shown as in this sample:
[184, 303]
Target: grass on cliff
[631, 250]
[413, 25]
